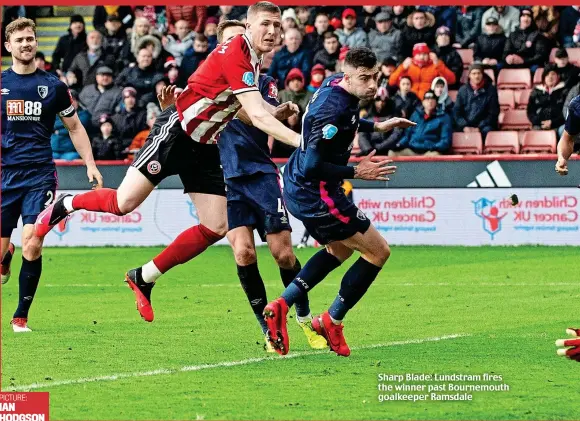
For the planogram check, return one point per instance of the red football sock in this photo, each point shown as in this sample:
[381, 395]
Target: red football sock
[100, 200]
[185, 247]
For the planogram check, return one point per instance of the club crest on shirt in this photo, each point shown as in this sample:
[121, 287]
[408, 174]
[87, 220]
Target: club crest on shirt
[329, 131]
[273, 90]
[248, 78]
[43, 91]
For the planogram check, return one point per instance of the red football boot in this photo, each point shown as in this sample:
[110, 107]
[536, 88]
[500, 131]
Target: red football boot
[51, 216]
[332, 333]
[276, 314]
[142, 292]
[571, 347]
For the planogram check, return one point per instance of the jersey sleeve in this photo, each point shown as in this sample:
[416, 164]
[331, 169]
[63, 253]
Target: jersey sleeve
[237, 66]
[572, 124]
[269, 90]
[64, 103]
[325, 123]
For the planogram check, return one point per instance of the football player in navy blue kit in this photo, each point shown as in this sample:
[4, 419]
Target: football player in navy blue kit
[313, 194]
[570, 347]
[254, 201]
[31, 98]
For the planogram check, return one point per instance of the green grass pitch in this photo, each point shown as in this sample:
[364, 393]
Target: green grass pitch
[202, 357]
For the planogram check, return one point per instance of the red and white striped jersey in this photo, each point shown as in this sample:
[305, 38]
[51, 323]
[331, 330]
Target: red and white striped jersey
[209, 102]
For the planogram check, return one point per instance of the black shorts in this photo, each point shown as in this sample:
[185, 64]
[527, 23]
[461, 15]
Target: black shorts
[170, 151]
[256, 201]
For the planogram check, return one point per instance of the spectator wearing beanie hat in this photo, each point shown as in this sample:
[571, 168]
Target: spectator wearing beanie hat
[317, 75]
[547, 101]
[385, 40]
[449, 55]
[129, 119]
[210, 32]
[569, 74]
[422, 69]
[350, 34]
[106, 145]
[295, 90]
[432, 134]
[171, 71]
[526, 47]
[289, 19]
[70, 45]
[476, 108]
[490, 44]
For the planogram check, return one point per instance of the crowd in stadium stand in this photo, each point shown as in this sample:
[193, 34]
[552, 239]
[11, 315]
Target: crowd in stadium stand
[116, 70]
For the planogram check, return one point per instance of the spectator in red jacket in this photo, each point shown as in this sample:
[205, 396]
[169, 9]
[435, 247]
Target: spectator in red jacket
[195, 15]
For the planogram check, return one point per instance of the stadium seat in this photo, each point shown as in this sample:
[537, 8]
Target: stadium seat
[574, 55]
[453, 95]
[539, 141]
[506, 99]
[466, 56]
[514, 79]
[515, 120]
[467, 143]
[502, 142]
[538, 76]
[522, 98]
[521, 134]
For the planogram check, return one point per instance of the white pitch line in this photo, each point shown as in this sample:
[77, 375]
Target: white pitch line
[330, 284]
[201, 367]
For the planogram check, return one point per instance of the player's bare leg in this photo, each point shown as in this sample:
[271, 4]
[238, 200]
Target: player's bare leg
[211, 210]
[133, 191]
[29, 277]
[280, 245]
[6, 259]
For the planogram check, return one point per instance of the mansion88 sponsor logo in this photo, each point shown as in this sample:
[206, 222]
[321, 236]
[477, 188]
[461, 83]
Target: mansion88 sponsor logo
[20, 110]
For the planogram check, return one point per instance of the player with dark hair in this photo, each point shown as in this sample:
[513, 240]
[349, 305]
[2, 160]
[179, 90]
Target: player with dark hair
[31, 98]
[313, 194]
[182, 142]
[570, 347]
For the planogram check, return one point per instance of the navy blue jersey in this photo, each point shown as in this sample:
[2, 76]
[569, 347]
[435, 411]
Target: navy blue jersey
[573, 118]
[244, 149]
[329, 126]
[29, 105]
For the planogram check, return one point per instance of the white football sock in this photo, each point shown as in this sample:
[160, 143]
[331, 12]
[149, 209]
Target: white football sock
[67, 202]
[149, 272]
[334, 321]
[307, 318]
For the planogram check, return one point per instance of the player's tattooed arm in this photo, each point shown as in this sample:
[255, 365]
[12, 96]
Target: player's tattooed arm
[252, 102]
[81, 142]
[565, 149]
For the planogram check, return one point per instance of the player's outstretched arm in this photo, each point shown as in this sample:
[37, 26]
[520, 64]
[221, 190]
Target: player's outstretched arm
[252, 103]
[392, 123]
[281, 112]
[565, 149]
[80, 140]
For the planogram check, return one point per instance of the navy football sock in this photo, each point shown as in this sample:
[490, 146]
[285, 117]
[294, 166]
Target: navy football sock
[288, 275]
[315, 270]
[354, 285]
[253, 286]
[28, 283]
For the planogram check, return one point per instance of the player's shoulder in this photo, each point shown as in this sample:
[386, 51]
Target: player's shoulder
[50, 78]
[237, 45]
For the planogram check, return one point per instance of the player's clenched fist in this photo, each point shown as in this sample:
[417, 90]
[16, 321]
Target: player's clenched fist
[368, 169]
[562, 166]
[570, 348]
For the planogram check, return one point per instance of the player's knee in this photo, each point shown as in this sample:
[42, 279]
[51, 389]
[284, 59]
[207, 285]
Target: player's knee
[126, 205]
[31, 246]
[382, 253]
[284, 257]
[219, 227]
[245, 254]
